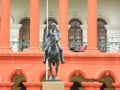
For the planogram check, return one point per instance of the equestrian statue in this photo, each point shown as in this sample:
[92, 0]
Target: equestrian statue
[53, 51]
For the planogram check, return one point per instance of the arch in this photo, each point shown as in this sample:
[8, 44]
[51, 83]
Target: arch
[51, 19]
[22, 19]
[106, 72]
[76, 72]
[41, 75]
[17, 71]
[18, 80]
[102, 19]
[75, 19]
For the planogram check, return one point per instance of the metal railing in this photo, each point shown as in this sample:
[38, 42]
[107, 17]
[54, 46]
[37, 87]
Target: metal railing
[112, 46]
[21, 46]
[109, 46]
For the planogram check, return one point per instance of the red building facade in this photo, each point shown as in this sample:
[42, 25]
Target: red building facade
[91, 70]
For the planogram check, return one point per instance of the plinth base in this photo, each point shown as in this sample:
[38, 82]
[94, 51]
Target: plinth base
[52, 86]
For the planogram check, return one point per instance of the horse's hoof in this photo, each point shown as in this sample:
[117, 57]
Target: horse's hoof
[56, 78]
[50, 78]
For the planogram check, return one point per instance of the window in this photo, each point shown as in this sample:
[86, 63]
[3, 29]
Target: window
[24, 35]
[75, 34]
[102, 35]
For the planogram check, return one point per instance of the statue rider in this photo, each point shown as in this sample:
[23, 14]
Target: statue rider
[53, 29]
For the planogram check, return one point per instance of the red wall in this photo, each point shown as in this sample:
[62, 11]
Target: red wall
[88, 65]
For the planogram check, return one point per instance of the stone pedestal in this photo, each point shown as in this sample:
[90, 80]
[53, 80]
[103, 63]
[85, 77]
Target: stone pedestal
[53, 86]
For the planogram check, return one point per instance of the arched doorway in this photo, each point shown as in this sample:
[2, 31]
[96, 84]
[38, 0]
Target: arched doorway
[24, 34]
[18, 79]
[77, 80]
[107, 83]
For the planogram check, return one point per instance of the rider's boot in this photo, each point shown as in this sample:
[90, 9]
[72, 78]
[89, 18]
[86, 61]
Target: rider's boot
[61, 54]
[44, 60]
[62, 58]
[50, 76]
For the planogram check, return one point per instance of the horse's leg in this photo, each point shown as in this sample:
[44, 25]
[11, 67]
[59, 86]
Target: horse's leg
[62, 57]
[50, 66]
[56, 77]
[57, 64]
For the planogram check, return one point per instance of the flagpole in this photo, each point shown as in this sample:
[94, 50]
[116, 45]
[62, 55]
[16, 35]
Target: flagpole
[47, 30]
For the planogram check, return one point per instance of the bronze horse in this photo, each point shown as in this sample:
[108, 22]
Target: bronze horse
[53, 51]
[53, 54]
[53, 59]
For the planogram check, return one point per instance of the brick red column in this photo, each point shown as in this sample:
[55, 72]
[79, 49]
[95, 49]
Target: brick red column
[91, 85]
[5, 26]
[34, 25]
[63, 23]
[92, 26]
[0, 15]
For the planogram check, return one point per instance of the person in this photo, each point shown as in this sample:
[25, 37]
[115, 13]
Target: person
[82, 48]
[50, 32]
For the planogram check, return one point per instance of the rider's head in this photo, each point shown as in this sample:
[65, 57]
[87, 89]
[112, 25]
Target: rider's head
[53, 25]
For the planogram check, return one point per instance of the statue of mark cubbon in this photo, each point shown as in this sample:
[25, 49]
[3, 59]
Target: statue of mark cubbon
[53, 51]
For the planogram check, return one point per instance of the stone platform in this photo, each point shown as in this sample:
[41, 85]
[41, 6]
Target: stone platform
[52, 85]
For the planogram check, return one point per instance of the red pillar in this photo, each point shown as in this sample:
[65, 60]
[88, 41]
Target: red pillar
[63, 23]
[91, 85]
[5, 26]
[0, 16]
[34, 25]
[92, 26]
